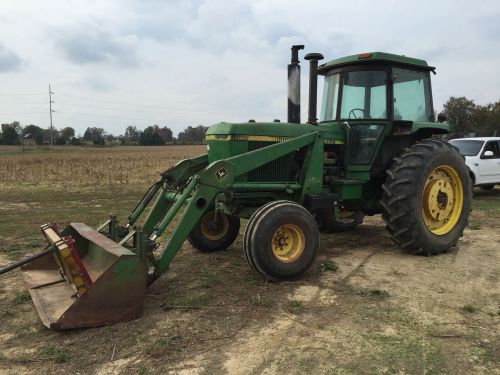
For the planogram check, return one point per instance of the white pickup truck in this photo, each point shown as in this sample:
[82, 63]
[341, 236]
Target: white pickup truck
[482, 156]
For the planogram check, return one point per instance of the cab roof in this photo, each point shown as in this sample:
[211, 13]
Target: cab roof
[375, 57]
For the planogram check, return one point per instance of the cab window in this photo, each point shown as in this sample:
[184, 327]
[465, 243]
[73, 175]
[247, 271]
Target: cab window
[412, 97]
[363, 139]
[492, 146]
[364, 95]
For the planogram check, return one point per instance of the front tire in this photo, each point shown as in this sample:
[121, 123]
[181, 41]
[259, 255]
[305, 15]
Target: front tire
[426, 198]
[214, 233]
[281, 241]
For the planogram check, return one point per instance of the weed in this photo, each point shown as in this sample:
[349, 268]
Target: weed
[329, 266]
[21, 297]
[469, 309]
[295, 306]
[475, 225]
[7, 314]
[190, 301]
[141, 370]
[373, 293]
[259, 300]
[57, 354]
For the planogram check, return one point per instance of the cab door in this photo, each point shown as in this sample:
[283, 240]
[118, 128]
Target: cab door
[489, 166]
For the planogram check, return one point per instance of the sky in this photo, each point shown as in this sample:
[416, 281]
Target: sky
[112, 64]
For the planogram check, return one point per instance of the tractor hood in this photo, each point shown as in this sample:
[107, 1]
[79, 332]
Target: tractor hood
[257, 131]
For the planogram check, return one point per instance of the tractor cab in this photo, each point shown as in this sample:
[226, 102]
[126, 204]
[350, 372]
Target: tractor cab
[377, 86]
[375, 94]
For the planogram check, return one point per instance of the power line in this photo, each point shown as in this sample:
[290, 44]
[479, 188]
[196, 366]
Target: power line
[50, 112]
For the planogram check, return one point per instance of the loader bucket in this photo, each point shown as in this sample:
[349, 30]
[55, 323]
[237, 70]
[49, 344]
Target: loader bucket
[87, 281]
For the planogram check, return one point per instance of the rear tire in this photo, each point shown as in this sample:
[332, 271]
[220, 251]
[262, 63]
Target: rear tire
[426, 198]
[281, 241]
[208, 236]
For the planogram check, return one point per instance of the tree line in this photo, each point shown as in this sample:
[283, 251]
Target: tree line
[468, 118]
[464, 116]
[14, 134]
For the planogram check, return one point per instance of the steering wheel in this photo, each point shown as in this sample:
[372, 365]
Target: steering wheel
[356, 109]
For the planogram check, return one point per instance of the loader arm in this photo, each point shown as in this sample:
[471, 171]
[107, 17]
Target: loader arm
[218, 177]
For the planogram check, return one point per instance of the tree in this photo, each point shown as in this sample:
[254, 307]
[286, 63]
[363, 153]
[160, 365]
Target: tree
[87, 136]
[36, 133]
[95, 135]
[192, 134]
[67, 133]
[9, 134]
[460, 113]
[131, 134]
[166, 134]
[465, 116]
[150, 137]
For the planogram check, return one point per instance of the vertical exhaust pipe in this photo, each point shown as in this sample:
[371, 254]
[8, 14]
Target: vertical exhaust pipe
[294, 86]
[313, 85]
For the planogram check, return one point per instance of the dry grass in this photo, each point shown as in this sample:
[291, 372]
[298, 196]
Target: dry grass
[80, 167]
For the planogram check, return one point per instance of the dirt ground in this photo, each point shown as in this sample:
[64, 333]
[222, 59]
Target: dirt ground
[363, 308]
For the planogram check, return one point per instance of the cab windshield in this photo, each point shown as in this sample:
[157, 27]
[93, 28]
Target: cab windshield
[364, 95]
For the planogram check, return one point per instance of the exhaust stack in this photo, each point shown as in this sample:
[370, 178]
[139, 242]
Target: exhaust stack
[294, 86]
[313, 85]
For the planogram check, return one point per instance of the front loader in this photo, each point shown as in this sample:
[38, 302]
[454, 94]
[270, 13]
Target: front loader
[372, 152]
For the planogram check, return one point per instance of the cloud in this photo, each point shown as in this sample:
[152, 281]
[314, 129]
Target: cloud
[9, 60]
[88, 44]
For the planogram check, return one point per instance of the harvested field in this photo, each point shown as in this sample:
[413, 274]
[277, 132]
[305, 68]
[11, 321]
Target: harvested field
[80, 167]
[363, 308]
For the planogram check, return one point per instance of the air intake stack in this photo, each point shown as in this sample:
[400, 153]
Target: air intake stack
[294, 86]
[313, 85]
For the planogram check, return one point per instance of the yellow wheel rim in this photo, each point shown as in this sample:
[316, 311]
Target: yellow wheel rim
[214, 229]
[442, 199]
[288, 243]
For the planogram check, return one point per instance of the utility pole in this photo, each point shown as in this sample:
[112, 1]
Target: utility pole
[50, 111]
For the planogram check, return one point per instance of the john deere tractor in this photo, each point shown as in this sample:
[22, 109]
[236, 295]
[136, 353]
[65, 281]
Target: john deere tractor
[372, 151]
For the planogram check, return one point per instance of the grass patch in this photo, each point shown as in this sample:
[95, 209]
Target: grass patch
[378, 293]
[57, 354]
[475, 225]
[187, 302]
[295, 306]
[469, 309]
[259, 300]
[7, 314]
[329, 266]
[22, 297]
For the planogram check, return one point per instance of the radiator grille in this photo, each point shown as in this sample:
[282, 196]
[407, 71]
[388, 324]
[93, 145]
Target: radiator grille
[278, 170]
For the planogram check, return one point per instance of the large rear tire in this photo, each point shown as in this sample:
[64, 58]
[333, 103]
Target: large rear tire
[426, 198]
[281, 241]
[213, 234]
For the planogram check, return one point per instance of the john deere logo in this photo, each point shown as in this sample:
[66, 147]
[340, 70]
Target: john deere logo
[221, 174]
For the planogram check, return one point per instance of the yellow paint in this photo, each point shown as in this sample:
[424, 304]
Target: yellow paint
[288, 243]
[259, 138]
[241, 137]
[212, 231]
[442, 199]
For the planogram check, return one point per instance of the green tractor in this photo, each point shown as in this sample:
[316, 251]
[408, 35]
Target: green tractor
[371, 152]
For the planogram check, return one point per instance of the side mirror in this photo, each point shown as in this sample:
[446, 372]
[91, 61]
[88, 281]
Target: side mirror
[488, 154]
[442, 117]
